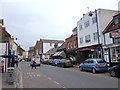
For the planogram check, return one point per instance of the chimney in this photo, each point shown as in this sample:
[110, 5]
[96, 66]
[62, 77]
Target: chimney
[83, 14]
[55, 45]
[2, 21]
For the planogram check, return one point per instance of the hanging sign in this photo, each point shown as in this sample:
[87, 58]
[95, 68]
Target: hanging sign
[115, 34]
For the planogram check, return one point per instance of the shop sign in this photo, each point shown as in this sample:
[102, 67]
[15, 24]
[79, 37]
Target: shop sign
[115, 34]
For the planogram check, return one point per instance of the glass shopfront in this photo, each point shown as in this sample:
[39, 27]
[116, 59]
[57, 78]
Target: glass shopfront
[115, 54]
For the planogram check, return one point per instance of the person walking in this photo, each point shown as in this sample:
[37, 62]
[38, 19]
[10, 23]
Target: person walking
[34, 64]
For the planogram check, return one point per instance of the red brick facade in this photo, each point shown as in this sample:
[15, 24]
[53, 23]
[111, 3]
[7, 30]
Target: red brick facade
[71, 43]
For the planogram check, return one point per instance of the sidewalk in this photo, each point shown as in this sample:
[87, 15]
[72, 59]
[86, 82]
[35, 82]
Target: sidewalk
[3, 80]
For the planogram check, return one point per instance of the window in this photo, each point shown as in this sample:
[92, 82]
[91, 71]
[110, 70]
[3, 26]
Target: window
[116, 19]
[116, 40]
[86, 24]
[95, 36]
[87, 38]
[80, 27]
[81, 40]
[74, 44]
[94, 20]
[70, 44]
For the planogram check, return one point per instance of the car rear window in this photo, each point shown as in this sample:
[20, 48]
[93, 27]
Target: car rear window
[101, 61]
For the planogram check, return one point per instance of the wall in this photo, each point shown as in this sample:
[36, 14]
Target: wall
[103, 16]
[86, 31]
[108, 40]
[72, 39]
[119, 5]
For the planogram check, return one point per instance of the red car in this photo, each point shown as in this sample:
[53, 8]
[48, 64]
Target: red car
[45, 61]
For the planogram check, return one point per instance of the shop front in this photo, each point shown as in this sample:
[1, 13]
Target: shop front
[94, 51]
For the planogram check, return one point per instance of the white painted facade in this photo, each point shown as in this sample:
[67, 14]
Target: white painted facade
[103, 17]
[119, 5]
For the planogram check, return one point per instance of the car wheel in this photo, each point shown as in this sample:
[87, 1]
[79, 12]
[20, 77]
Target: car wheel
[112, 73]
[93, 70]
[80, 68]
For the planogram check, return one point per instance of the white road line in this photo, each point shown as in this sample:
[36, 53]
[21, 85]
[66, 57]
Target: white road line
[49, 78]
[55, 82]
[38, 75]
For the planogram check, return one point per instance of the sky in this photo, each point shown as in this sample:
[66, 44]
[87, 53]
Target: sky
[30, 20]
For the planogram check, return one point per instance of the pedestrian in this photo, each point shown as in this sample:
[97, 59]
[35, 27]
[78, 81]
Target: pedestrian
[34, 64]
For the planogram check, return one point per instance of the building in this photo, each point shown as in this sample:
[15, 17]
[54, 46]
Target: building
[43, 45]
[31, 52]
[72, 44]
[119, 5]
[20, 52]
[4, 45]
[90, 28]
[61, 52]
[111, 43]
[52, 51]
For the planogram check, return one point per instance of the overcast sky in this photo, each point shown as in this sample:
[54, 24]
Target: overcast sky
[30, 20]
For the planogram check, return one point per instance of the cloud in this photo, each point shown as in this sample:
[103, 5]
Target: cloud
[30, 20]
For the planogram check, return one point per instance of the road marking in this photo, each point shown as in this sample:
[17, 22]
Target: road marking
[55, 82]
[49, 78]
[38, 75]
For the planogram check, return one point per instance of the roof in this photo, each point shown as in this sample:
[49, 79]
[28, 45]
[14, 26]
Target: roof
[62, 47]
[52, 51]
[4, 34]
[75, 29]
[51, 41]
[111, 26]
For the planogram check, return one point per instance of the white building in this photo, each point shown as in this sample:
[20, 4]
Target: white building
[119, 5]
[89, 26]
[44, 45]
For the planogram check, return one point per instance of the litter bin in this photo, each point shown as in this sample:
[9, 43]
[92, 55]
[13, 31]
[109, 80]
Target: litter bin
[10, 75]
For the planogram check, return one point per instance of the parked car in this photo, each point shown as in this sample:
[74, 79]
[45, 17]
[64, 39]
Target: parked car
[65, 63]
[114, 70]
[94, 65]
[50, 61]
[45, 61]
[55, 61]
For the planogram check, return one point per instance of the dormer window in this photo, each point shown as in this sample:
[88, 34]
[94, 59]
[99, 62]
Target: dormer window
[117, 19]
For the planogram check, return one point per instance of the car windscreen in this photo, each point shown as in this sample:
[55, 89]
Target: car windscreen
[65, 60]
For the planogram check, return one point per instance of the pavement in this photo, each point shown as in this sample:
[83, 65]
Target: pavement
[17, 80]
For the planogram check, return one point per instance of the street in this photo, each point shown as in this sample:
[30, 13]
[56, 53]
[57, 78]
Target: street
[47, 76]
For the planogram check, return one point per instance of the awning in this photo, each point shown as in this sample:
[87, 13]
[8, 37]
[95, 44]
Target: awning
[56, 54]
[60, 53]
[7, 56]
